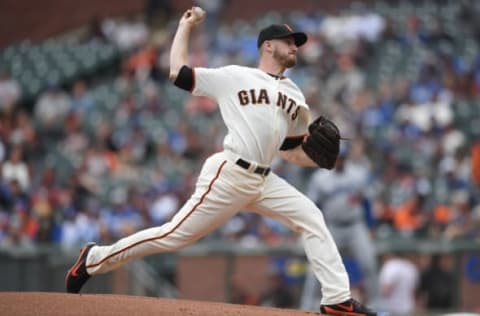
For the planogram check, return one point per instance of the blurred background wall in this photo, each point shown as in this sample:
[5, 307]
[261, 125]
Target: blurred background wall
[39, 20]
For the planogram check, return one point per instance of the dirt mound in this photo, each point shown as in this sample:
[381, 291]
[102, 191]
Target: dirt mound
[52, 304]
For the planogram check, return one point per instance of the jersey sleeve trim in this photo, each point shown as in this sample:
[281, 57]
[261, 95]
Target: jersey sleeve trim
[292, 142]
[185, 79]
[193, 80]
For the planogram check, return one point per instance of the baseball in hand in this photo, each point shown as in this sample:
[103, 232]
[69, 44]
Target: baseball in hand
[198, 13]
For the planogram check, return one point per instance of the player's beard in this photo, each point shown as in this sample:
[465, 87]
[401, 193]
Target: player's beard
[286, 60]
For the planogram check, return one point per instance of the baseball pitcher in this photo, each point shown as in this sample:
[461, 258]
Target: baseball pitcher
[265, 114]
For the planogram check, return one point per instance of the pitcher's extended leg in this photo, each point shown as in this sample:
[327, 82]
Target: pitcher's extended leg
[210, 206]
[283, 202]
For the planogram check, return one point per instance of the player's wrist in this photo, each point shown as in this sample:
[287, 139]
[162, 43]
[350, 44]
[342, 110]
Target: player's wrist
[185, 24]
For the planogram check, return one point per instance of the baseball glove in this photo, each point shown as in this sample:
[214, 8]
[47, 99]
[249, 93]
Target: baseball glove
[323, 143]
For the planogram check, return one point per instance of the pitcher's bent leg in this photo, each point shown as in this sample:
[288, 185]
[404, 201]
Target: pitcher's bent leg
[281, 201]
[328, 267]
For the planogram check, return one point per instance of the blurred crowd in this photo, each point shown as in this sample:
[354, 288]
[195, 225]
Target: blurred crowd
[75, 168]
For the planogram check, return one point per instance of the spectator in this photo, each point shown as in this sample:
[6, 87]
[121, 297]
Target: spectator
[23, 132]
[51, 109]
[97, 164]
[436, 282]
[15, 237]
[143, 63]
[12, 196]
[15, 168]
[75, 141]
[399, 279]
[461, 221]
[82, 100]
[121, 219]
[82, 226]
[163, 207]
[347, 81]
[128, 34]
[410, 217]
[152, 102]
[46, 199]
[10, 92]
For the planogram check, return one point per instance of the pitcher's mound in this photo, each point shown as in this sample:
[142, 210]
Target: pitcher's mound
[62, 304]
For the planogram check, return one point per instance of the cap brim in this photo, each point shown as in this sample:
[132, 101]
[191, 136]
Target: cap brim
[300, 38]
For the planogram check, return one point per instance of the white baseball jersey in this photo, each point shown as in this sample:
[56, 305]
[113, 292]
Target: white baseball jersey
[401, 276]
[258, 109]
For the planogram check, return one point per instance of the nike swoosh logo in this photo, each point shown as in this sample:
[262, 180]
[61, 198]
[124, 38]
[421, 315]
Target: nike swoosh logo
[75, 270]
[348, 308]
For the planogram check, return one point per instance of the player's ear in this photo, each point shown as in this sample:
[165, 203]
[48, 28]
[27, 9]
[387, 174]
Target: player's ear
[268, 46]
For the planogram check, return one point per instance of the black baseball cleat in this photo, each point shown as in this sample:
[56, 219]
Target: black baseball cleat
[348, 308]
[77, 275]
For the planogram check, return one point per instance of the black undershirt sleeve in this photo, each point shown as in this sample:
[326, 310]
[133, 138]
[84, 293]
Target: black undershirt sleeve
[185, 79]
[292, 142]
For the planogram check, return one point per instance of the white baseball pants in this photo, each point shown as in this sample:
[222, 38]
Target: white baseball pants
[224, 188]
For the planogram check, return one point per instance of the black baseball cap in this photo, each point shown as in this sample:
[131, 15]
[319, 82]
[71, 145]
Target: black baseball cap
[280, 31]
